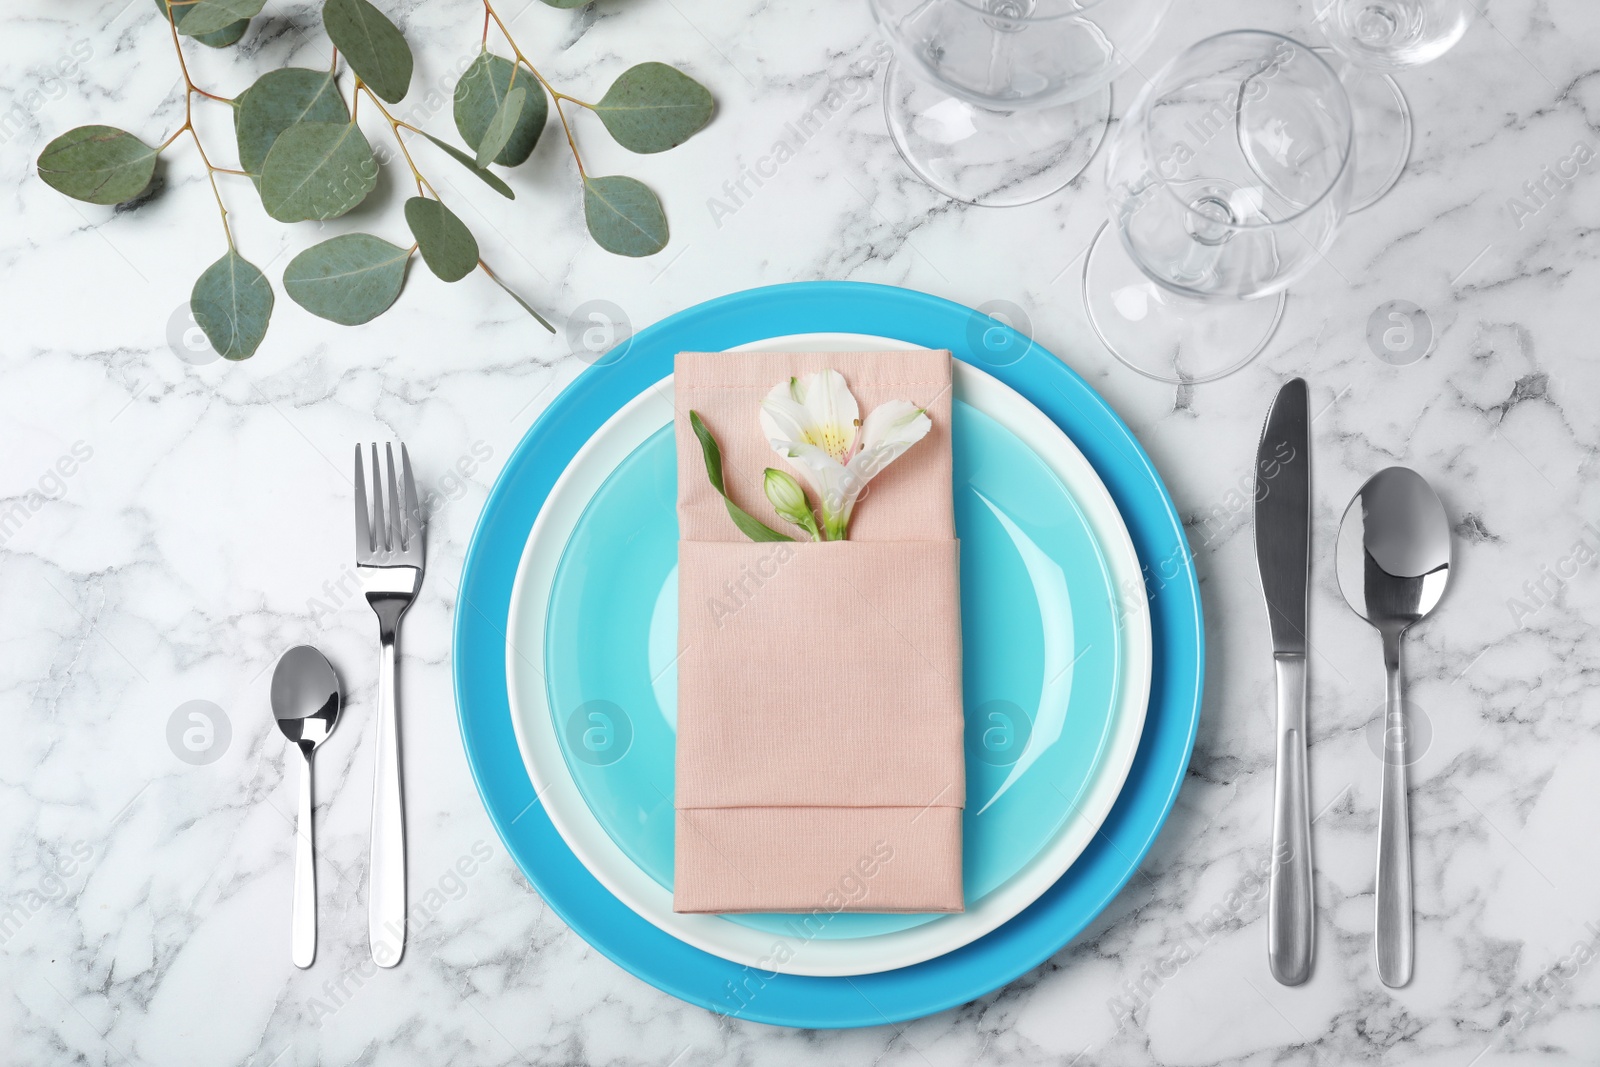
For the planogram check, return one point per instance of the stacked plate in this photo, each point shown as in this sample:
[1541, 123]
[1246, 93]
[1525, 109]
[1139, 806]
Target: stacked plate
[1082, 648]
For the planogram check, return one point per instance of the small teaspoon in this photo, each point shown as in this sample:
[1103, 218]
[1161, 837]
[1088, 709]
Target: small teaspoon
[306, 702]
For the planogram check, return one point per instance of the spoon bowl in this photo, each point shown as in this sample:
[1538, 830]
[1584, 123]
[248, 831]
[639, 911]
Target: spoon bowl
[1393, 562]
[305, 702]
[1393, 556]
[305, 697]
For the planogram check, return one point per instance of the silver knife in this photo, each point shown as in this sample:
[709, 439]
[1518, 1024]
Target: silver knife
[1283, 553]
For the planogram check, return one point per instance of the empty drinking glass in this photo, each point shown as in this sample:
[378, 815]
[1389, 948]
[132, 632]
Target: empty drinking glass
[1003, 102]
[1226, 181]
[1374, 38]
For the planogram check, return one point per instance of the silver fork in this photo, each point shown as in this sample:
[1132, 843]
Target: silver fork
[389, 563]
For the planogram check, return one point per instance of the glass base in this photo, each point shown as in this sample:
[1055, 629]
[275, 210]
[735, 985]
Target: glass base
[1165, 336]
[1382, 120]
[991, 158]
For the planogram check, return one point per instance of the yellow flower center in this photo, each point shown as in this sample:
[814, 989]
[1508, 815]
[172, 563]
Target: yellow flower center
[831, 439]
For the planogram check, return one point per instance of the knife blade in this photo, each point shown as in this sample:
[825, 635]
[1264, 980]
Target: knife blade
[1283, 554]
[1283, 515]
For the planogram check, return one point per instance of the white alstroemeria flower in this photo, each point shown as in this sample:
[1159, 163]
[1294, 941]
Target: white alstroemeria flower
[815, 422]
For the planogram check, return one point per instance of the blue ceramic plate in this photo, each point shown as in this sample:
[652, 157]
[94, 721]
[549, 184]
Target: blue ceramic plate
[948, 980]
[1040, 635]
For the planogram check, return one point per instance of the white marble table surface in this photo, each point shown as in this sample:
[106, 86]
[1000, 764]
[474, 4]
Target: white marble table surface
[202, 530]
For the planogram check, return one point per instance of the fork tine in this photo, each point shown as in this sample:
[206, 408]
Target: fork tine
[363, 529]
[413, 523]
[380, 532]
[395, 542]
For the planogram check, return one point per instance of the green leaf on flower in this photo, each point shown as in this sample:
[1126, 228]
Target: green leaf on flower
[280, 99]
[748, 524]
[350, 279]
[222, 38]
[479, 95]
[501, 126]
[447, 246]
[624, 216]
[373, 46]
[654, 107]
[317, 170]
[491, 180]
[215, 16]
[98, 164]
[232, 302]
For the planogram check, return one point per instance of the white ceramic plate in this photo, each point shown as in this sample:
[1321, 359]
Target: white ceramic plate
[588, 839]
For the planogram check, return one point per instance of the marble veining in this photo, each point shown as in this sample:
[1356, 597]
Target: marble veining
[181, 524]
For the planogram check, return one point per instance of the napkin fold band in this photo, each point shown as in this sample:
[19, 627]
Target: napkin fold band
[820, 760]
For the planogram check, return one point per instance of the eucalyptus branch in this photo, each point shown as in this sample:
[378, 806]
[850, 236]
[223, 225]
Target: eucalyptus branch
[305, 153]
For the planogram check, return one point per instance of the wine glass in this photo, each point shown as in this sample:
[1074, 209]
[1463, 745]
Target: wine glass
[1003, 102]
[1372, 39]
[1226, 181]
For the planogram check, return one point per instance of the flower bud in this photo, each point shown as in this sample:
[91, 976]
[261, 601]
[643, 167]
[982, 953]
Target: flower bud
[789, 500]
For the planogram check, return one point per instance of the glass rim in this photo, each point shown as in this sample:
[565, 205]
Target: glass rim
[1345, 160]
[1079, 8]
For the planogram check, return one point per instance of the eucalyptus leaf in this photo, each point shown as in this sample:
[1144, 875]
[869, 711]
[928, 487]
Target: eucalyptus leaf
[98, 164]
[232, 302]
[566, 3]
[479, 95]
[214, 16]
[447, 246]
[222, 38]
[491, 180]
[654, 107]
[317, 170]
[278, 100]
[373, 46]
[501, 126]
[748, 524]
[350, 279]
[624, 216]
[512, 293]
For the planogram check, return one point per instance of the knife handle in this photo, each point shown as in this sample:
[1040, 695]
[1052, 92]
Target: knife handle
[1291, 934]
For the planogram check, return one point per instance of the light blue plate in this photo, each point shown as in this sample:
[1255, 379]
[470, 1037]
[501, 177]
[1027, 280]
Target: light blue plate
[1040, 648]
[484, 599]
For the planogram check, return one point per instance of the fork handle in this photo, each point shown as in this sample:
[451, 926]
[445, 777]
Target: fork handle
[386, 909]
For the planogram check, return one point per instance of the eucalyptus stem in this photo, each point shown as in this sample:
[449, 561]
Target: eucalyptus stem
[523, 60]
[395, 125]
[190, 90]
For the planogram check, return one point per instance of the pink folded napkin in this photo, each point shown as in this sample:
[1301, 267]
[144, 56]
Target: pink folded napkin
[820, 760]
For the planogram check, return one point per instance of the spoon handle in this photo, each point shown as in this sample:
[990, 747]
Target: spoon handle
[304, 933]
[1393, 939]
[1291, 927]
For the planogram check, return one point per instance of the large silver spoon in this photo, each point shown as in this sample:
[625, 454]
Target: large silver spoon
[305, 701]
[1393, 562]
